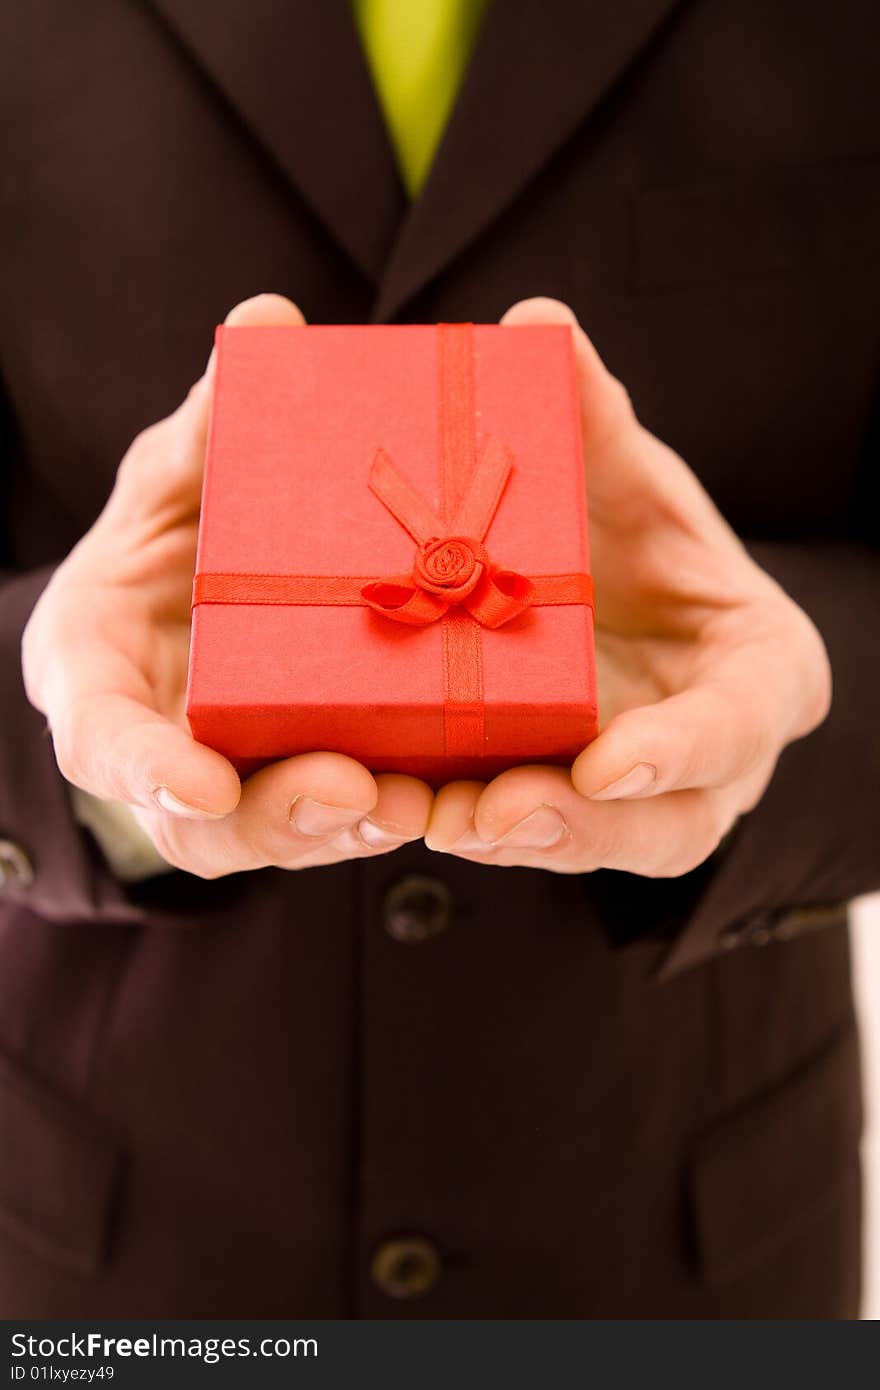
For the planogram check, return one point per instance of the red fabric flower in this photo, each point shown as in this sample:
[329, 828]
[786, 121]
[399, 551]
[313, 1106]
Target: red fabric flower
[451, 566]
[449, 569]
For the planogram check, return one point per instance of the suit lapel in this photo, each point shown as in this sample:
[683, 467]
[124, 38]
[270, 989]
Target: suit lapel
[295, 74]
[539, 68]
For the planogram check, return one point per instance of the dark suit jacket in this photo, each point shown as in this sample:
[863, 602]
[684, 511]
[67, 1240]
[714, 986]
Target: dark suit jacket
[596, 1096]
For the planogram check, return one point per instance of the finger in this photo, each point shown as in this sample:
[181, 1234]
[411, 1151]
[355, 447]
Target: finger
[118, 748]
[401, 814]
[465, 818]
[289, 814]
[303, 799]
[533, 816]
[451, 824]
[536, 811]
[751, 695]
[708, 736]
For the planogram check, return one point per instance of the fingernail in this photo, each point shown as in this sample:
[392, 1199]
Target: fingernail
[632, 783]
[375, 835]
[315, 818]
[171, 803]
[542, 829]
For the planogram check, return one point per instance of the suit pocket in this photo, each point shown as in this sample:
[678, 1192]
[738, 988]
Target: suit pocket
[59, 1170]
[823, 219]
[759, 1176]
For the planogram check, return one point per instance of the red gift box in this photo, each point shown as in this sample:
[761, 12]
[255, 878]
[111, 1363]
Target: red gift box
[392, 557]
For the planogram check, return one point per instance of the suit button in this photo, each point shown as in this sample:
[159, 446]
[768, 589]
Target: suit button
[782, 924]
[752, 931]
[407, 1267]
[16, 870]
[417, 908]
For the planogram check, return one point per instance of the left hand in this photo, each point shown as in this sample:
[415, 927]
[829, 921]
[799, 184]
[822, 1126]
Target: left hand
[104, 657]
[706, 670]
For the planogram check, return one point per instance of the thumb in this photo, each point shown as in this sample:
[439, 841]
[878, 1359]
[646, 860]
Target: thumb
[261, 311]
[605, 406]
[265, 311]
[633, 479]
[615, 471]
[163, 468]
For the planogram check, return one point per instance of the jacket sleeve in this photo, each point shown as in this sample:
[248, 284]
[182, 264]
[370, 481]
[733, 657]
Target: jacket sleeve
[813, 842]
[51, 866]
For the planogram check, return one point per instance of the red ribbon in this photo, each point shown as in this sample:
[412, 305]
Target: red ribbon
[451, 565]
[452, 578]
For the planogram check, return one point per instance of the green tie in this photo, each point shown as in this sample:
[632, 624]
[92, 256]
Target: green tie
[417, 51]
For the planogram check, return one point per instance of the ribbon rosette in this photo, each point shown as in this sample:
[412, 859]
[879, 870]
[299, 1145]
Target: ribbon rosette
[451, 566]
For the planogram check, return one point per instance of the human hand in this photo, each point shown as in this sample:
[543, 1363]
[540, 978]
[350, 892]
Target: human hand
[104, 657]
[706, 670]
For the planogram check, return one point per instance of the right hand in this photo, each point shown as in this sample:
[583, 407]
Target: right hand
[104, 657]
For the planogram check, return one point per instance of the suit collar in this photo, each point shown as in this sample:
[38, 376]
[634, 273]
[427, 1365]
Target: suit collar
[295, 74]
[537, 72]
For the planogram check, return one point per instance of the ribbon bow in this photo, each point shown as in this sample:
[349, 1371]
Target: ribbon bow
[451, 565]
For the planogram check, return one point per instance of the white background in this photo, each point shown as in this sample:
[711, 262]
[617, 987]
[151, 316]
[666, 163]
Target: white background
[866, 969]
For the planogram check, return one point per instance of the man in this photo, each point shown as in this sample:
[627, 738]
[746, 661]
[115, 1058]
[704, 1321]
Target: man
[589, 1050]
